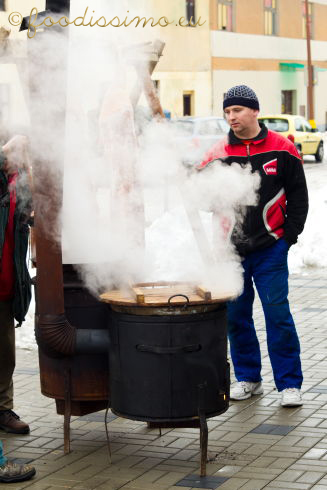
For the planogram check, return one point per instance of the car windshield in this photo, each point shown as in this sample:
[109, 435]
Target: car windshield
[201, 127]
[276, 124]
[224, 126]
[184, 127]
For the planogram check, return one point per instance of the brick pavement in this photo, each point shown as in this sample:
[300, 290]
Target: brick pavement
[256, 444]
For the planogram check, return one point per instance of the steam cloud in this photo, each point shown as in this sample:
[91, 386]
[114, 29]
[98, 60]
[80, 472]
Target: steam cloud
[124, 185]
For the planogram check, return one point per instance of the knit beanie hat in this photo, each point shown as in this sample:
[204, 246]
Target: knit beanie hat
[241, 95]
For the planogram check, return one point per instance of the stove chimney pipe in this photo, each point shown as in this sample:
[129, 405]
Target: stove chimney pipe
[54, 334]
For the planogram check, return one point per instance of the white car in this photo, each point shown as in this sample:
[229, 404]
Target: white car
[198, 134]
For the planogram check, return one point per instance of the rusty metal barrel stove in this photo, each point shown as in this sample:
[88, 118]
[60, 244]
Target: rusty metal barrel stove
[73, 350]
[81, 380]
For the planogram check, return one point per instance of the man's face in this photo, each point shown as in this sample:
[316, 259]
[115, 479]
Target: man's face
[241, 118]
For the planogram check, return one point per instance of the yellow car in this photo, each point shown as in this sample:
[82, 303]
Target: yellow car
[307, 140]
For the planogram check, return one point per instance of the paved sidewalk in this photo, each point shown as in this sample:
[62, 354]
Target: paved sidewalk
[256, 444]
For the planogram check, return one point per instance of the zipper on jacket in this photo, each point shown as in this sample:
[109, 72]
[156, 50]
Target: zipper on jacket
[282, 210]
[249, 220]
[248, 152]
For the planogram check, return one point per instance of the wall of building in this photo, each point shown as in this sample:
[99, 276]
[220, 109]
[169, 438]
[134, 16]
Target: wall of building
[320, 22]
[194, 58]
[290, 18]
[173, 85]
[320, 98]
[187, 48]
[234, 45]
[24, 8]
[186, 63]
[268, 86]
[249, 17]
[255, 60]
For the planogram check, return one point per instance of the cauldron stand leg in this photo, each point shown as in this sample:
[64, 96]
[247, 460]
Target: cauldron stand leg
[67, 413]
[203, 429]
[153, 425]
[203, 443]
[201, 423]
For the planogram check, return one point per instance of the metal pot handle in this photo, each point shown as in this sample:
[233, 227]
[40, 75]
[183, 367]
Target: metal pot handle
[157, 349]
[183, 296]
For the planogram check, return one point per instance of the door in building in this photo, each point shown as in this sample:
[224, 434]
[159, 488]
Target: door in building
[188, 103]
[288, 97]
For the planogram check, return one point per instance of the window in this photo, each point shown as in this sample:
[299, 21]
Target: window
[224, 126]
[57, 5]
[225, 15]
[270, 17]
[184, 128]
[276, 124]
[304, 20]
[298, 124]
[207, 128]
[190, 10]
[307, 126]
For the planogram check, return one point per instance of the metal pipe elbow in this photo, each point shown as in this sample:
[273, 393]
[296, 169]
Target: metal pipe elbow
[58, 338]
[55, 335]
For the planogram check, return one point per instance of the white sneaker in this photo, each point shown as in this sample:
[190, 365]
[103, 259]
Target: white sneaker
[243, 390]
[291, 397]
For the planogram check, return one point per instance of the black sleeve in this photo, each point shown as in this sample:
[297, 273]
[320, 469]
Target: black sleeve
[297, 202]
[2, 158]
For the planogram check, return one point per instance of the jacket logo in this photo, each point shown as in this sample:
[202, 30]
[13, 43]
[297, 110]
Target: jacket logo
[270, 168]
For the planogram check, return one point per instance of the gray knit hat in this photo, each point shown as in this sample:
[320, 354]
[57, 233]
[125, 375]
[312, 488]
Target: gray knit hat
[241, 95]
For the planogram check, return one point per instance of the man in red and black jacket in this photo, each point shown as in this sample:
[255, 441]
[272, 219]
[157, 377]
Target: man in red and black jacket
[268, 230]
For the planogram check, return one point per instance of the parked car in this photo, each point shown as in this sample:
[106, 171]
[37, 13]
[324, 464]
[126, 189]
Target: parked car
[195, 135]
[322, 127]
[307, 139]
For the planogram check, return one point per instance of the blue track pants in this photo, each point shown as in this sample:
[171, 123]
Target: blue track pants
[269, 271]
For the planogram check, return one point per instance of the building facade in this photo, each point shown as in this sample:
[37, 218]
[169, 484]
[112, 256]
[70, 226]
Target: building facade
[261, 43]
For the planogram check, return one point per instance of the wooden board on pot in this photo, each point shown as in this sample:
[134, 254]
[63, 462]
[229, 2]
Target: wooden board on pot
[154, 294]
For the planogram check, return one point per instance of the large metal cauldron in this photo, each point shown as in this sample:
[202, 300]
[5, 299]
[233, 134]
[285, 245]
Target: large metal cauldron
[169, 368]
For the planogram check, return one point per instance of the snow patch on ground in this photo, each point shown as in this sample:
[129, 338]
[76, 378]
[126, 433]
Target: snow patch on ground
[309, 252]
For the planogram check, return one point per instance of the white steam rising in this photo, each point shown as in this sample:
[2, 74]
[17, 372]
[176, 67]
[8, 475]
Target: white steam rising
[128, 199]
[221, 192]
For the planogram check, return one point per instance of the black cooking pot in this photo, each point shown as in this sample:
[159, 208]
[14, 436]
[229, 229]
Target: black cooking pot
[169, 368]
